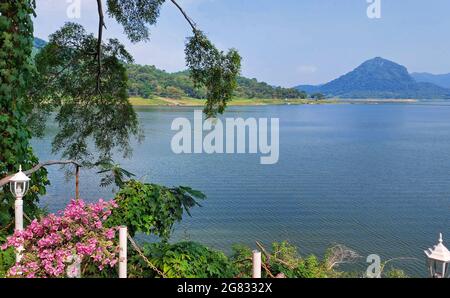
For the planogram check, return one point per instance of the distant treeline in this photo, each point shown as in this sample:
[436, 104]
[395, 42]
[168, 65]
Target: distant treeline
[147, 81]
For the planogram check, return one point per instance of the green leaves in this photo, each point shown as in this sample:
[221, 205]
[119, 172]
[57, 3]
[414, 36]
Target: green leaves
[284, 259]
[214, 70]
[135, 16]
[184, 260]
[113, 173]
[16, 72]
[7, 259]
[210, 68]
[92, 123]
[152, 209]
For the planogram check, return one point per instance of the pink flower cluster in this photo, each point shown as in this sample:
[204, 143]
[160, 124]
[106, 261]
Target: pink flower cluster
[50, 243]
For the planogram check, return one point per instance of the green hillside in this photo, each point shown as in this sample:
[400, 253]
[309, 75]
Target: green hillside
[147, 81]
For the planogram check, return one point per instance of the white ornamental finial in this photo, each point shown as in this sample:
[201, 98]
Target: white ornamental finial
[20, 168]
[440, 238]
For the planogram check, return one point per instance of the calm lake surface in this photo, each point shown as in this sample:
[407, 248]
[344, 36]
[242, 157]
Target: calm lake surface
[375, 178]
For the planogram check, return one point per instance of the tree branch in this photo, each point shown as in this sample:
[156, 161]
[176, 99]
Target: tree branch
[101, 25]
[36, 168]
[142, 255]
[340, 254]
[52, 79]
[396, 259]
[188, 19]
[272, 257]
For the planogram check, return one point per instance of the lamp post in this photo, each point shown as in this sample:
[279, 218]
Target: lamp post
[19, 185]
[438, 260]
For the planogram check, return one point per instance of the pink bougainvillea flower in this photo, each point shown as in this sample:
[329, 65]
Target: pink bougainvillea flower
[49, 244]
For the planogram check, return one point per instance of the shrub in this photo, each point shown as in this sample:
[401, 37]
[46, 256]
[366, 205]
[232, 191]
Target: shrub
[284, 259]
[182, 260]
[395, 273]
[50, 243]
[151, 208]
[7, 257]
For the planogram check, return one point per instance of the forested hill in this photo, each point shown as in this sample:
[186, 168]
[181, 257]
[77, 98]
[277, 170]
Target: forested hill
[147, 81]
[379, 78]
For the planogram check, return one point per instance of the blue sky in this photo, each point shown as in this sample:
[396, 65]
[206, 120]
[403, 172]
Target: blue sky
[286, 42]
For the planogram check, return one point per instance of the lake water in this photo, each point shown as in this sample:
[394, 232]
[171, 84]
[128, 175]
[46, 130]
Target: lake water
[375, 178]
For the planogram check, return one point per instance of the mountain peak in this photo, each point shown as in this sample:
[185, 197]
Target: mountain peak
[379, 62]
[380, 78]
[379, 59]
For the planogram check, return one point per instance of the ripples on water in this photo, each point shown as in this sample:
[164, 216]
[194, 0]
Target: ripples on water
[372, 177]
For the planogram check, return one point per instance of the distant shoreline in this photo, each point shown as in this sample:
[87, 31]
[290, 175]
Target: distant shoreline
[193, 102]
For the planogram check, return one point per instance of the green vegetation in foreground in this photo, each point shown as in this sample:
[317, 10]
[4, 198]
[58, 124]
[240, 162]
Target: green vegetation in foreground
[194, 102]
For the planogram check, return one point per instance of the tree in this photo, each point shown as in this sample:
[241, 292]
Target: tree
[16, 71]
[86, 108]
[318, 96]
[173, 92]
[209, 67]
[152, 209]
[85, 78]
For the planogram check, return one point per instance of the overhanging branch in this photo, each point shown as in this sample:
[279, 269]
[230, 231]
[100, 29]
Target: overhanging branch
[37, 167]
[188, 19]
[101, 25]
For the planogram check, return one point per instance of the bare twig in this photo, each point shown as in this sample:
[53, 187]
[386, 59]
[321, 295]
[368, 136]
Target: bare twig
[266, 265]
[101, 25]
[395, 259]
[188, 19]
[36, 168]
[7, 226]
[27, 217]
[269, 256]
[267, 269]
[340, 254]
[138, 250]
[77, 182]
[264, 251]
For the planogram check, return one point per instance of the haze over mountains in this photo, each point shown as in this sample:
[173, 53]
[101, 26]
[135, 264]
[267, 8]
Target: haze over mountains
[381, 78]
[442, 80]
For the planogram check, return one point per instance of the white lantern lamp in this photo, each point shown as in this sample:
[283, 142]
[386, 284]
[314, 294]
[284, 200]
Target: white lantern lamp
[438, 260]
[19, 185]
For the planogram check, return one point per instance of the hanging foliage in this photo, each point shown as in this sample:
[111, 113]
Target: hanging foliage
[213, 69]
[16, 71]
[66, 82]
[209, 68]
